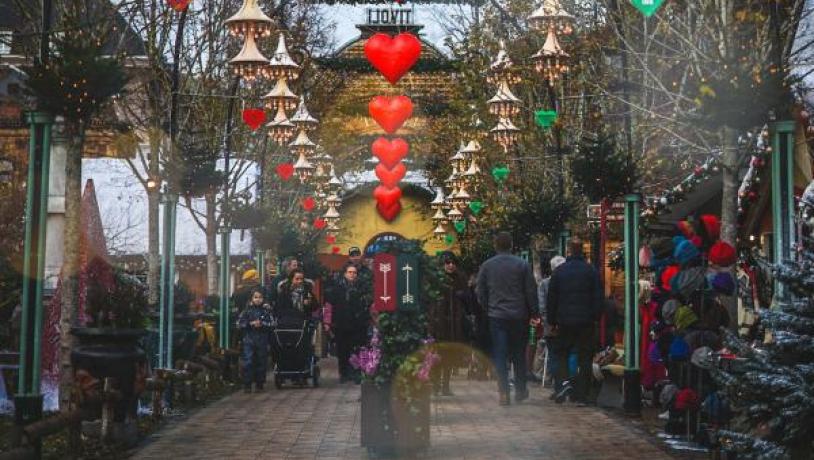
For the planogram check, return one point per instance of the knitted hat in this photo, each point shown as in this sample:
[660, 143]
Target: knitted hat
[667, 395]
[662, 247]
[645, 257]
[697, 241]
[702, 357]
[653, 353]
[685, 318]
[722, 254]
[687, 281]
[555, 262]
[723, 283]
[679, 350]
[668, 311]
[667, 275]
[685, 226]
[711, 225]
[686, 399]
[250, 275]
[685, 252]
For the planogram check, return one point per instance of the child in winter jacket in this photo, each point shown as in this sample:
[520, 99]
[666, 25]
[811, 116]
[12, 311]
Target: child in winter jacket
[255, 322]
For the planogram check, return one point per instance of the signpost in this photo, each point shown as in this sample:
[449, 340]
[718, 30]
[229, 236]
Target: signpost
[396, 282]
[408, 286]
[384, 282]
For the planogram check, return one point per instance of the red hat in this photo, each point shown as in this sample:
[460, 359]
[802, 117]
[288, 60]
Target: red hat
[712, 225]
[696, 241]
[667, 276]
[686, 399]
[722, 254]
[686, 228]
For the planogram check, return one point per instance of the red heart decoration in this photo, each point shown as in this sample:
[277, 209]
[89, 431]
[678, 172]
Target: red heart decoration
[254, 118]
[319, 224]
[393, 57]
[335, 249]
[390, 152]
[390, 112]
[308, 203]
[179, 5]
[389, 213]
[390, 177]
[285, 170]
[330, 239]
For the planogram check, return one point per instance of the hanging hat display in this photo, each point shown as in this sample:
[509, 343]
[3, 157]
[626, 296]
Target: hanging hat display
[668, 311]
[688, 281]
[667, 395]
[723, 283]
[679, 350]
[711, 226]
[722, 254]
[703, 358]
[686, 399]
[645, 257]
[685, 252]
[667, 275]
[684, 318]
[686, 228]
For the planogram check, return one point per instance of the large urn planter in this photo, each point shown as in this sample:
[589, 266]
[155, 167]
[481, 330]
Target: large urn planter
[390, 424]
[115, 354]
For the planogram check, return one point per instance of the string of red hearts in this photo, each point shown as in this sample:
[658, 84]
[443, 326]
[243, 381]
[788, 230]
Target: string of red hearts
[392, 57]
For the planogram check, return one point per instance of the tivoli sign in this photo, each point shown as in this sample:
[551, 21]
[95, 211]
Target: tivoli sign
[396, 282]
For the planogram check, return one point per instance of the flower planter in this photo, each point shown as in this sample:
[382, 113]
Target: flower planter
[116, 354]
[391, 425]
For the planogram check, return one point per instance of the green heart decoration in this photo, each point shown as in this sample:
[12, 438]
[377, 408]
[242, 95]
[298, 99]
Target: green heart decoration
[647, 7]
[545, 118]
[475, 206]
[460, 226]
[500, 173]
[449, 239]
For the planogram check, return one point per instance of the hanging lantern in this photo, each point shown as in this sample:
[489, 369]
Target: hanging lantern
[249, 20]
[280, 129]
[437, 203]
[504, 103]
[335, 183]
[458, 161]
[332, 229]
[439, 232]
[331, 215]
[302, 145]
[472, 148]
[502, 68]
[454, 215]
[439, 217]
[281, 66]
[302, 118]
[303, 168]
[551, 15]
[461, 198]
[249, 63]
[281, 96]
[505, 133]
[472, 173]
[551, 61]
[334, 200]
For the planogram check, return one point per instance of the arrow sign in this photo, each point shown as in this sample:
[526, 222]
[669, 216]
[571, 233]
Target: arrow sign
[384, 282]
[407, 298]
[409, 283]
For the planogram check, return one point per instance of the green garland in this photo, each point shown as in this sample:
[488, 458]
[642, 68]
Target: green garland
[363, 66]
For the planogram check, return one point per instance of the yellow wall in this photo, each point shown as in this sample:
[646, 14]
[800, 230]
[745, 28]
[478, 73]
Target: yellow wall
[361, 222]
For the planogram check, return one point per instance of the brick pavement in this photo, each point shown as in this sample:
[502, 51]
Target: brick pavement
[323, 423]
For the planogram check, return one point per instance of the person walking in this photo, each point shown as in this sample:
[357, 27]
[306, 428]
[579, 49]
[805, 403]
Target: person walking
[548, 335]
[350, 302]
[573, 305]
[296, 292]
[289, 264]
[364, 274]
[446, 317]
[507, 289]
[255, 322]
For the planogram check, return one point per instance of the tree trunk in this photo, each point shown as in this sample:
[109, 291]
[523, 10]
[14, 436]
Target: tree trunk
[72, 263]
[211, 253]
[729, 202]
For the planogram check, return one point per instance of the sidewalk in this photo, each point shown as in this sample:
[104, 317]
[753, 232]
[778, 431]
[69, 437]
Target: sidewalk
[323, 423]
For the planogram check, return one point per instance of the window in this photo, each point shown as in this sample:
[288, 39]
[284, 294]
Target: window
[377, 242]
[5, 42]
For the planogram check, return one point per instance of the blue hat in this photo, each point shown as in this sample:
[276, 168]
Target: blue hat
[722, 282]
[685, 252]
[679, 350]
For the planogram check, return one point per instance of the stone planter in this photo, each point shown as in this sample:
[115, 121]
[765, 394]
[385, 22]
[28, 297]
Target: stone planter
[392, 426]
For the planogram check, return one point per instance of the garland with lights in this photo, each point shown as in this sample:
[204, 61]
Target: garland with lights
[659, 205]
[750, 185]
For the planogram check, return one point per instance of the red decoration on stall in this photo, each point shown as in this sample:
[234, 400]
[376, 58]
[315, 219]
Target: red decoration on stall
[335, 249]
[393, 57]
[308, 203]
[390, 112]
[254, 118]
[179, 5]
[285, 170]
[330, 239]
[319, 224]
[390, 177]
[390, 152]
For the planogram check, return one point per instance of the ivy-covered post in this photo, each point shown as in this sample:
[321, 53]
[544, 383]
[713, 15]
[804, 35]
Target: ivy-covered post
[632, 377]
[782, 198]
[224, 287]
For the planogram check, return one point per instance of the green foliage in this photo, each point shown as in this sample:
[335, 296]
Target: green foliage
[114, 298]
[601, 171]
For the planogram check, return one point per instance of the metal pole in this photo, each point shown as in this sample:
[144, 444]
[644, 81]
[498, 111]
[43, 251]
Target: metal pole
[565, 235]
[172, 202]
[224, 288]
[162, 300]
[632, 377]
[260, 261]
[782, 197]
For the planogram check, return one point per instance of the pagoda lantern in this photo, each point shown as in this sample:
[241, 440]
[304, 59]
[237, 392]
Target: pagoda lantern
[281, 66]
[551, 15]
[281, 96]
[504, 103]
[551, 61]
[302, 145]
[280, 129]
[303, 168]
[302, 118]
[505, 133]
[249, 20]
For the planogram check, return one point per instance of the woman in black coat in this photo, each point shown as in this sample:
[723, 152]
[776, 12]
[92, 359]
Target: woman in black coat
[350, 318]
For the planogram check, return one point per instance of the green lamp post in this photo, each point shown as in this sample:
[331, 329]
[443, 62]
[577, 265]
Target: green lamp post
[166, 310]
[782, 196]
[223, 317]
[632, 375]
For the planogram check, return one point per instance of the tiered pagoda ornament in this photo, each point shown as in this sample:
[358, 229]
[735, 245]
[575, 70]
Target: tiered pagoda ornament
[551, 15]
[250, 23]
[504, 104]
[551, 61]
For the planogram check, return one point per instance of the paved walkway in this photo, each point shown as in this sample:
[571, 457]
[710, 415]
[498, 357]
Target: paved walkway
[323, 423]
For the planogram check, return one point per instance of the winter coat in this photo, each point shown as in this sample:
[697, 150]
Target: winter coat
[252, 313]
[350, 304]
[301, 299]
[574, 294]
[506, 288]
[446, 315]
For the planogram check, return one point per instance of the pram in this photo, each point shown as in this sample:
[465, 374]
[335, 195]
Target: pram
[292, 348]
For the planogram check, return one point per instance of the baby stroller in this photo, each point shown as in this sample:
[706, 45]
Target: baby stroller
[292, 348]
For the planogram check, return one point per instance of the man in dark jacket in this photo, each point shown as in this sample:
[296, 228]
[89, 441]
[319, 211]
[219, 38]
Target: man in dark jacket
[507, 290]
[573, 306]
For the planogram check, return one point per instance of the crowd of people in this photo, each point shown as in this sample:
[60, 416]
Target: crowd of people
[500, 312]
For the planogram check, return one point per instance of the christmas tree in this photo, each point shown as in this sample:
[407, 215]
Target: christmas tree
[772, 383]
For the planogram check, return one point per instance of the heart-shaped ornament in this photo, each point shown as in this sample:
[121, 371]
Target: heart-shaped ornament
[390, 112]
[254, 118]
[460, 226]
[475, 206]
[449, 239]
[308, 203]
[179, 5]
[647, 7]
[500, 173]
[285, 170]
[386, 197]
[335, 249]
[330, 239]
[389, 213]
[319, 224]
[393, 57]
[390, 177]
[390, 152]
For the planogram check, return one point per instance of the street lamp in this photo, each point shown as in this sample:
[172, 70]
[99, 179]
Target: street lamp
[502, 68]
[504, 103]
[303, 145]
[249, 20]
[551, 15]
[249, 63]
[505, 133]
[281, 96]
[302, 119]
[280, 129]
[303, 167]
[281, 66]
[551, 61]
